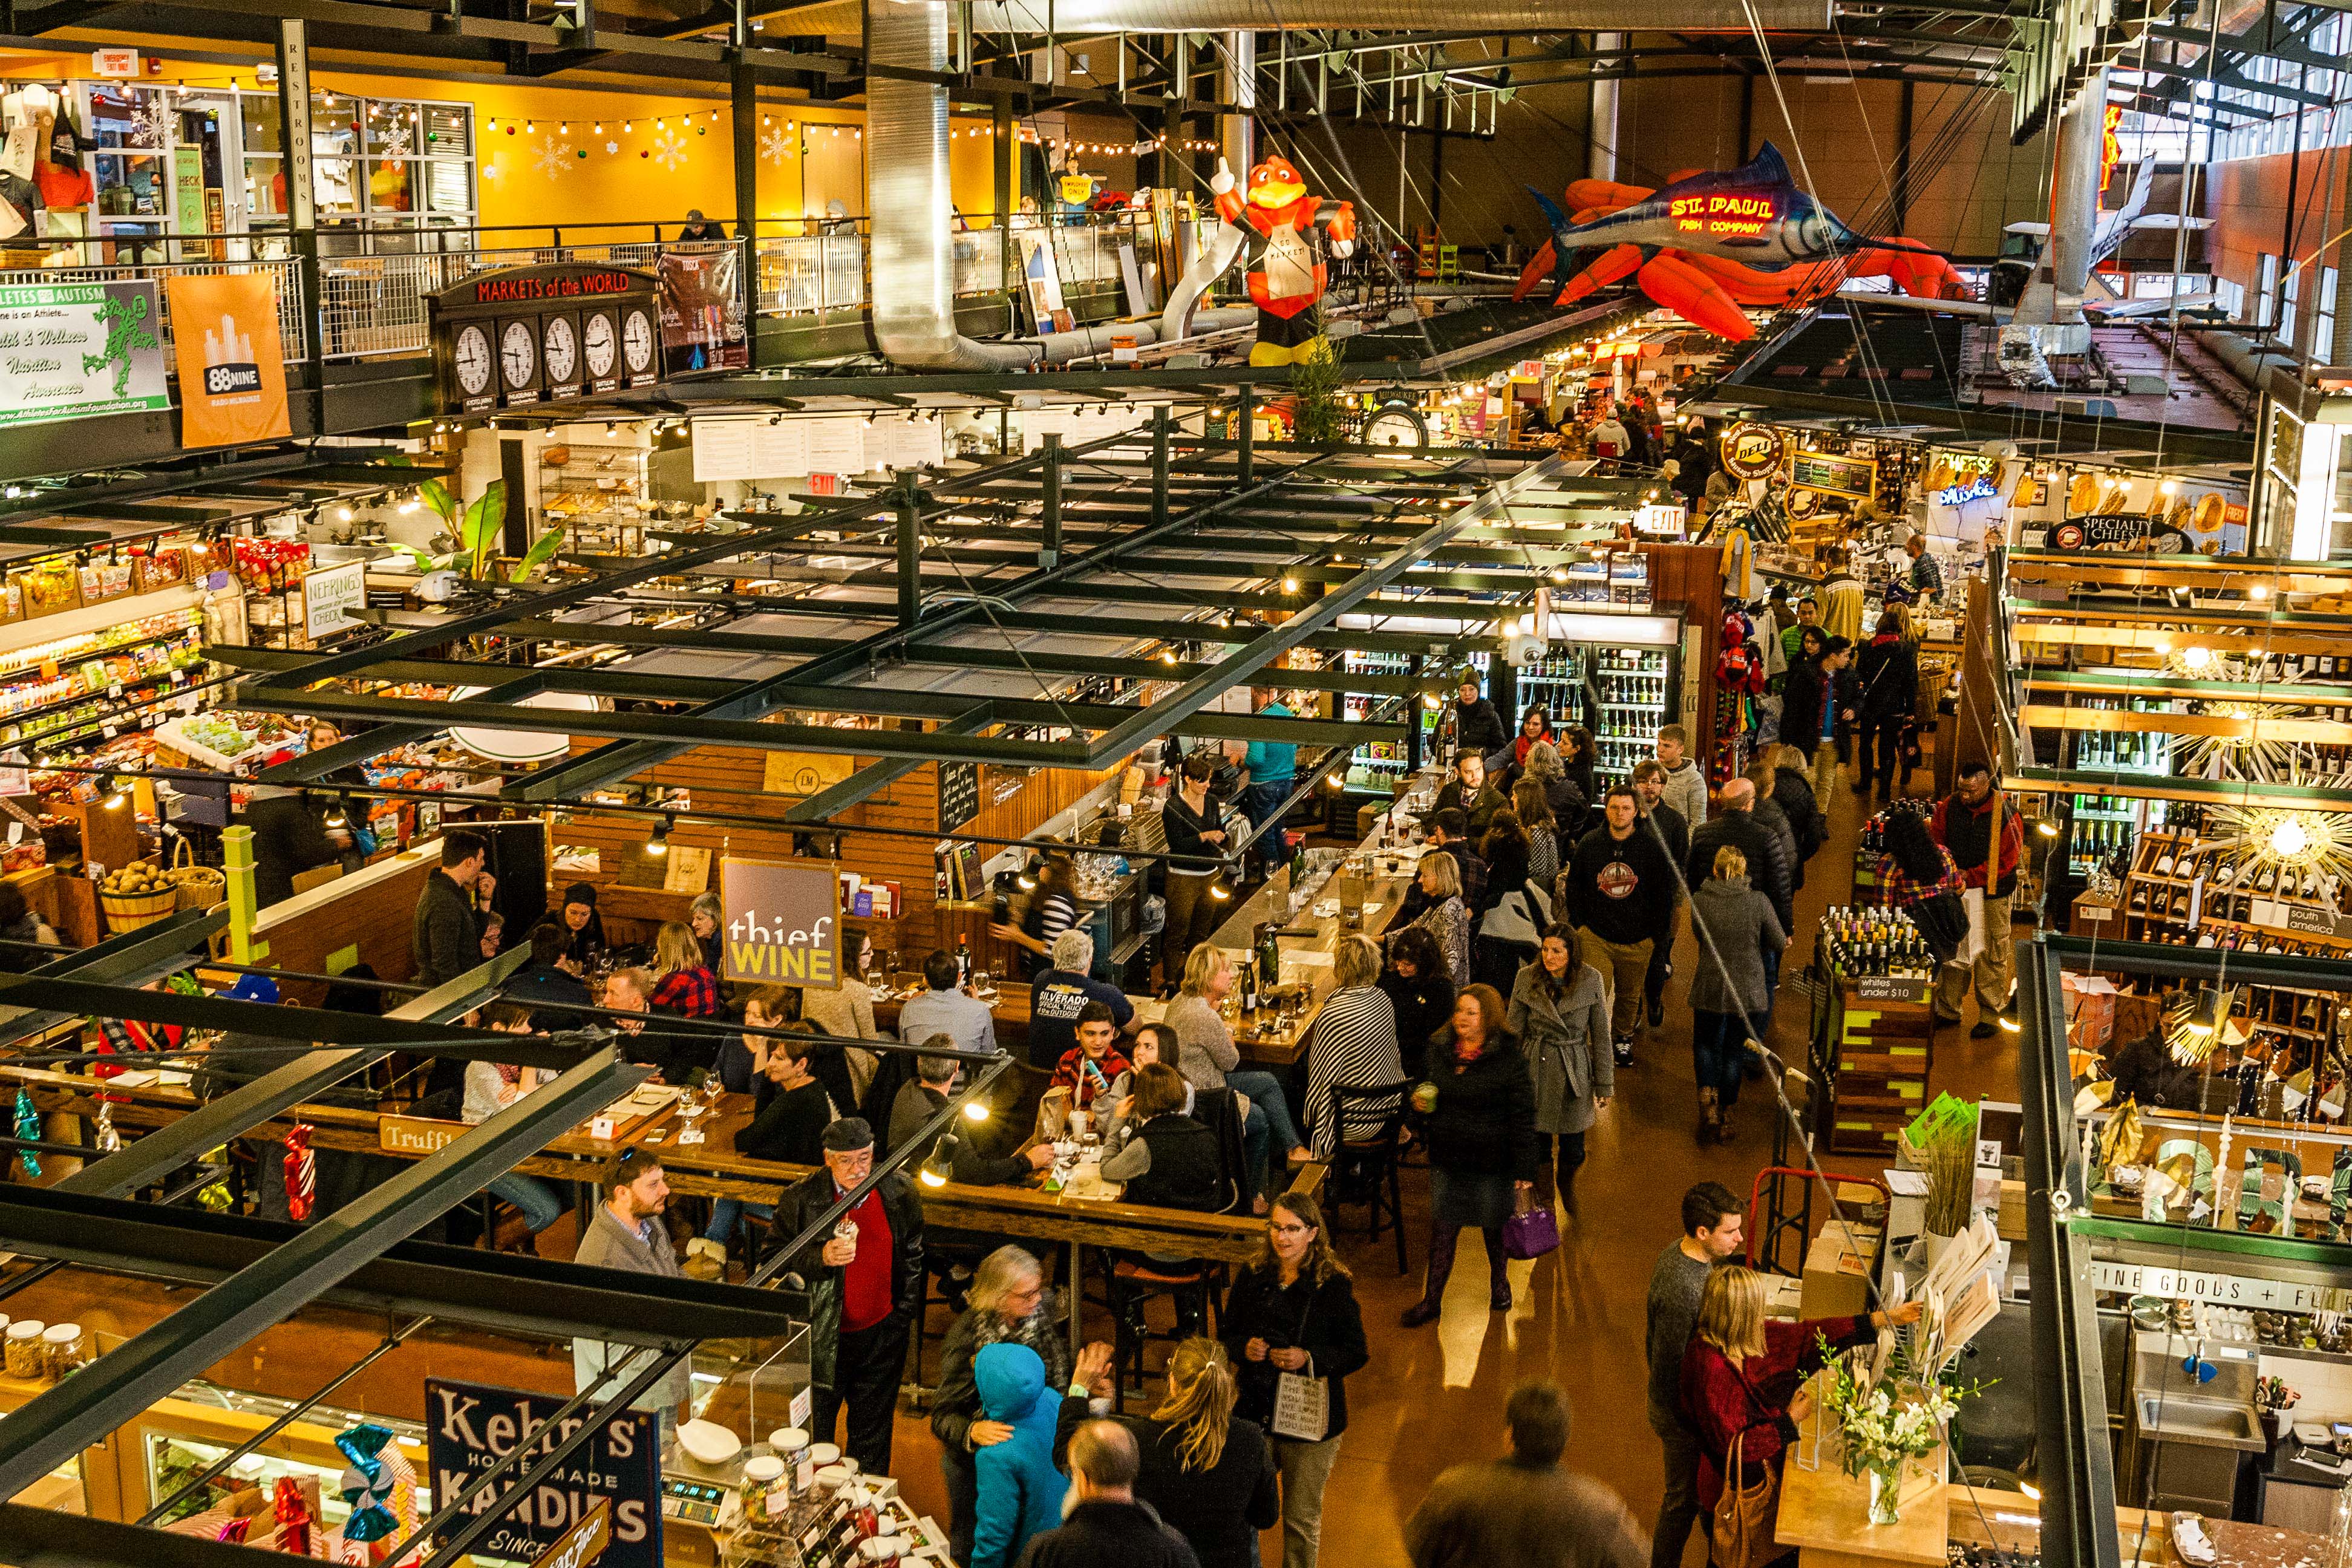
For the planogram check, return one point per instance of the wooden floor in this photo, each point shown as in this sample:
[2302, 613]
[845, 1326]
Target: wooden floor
[1434, 1396]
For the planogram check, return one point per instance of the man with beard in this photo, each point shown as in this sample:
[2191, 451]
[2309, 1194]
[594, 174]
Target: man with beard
[1010, 1304]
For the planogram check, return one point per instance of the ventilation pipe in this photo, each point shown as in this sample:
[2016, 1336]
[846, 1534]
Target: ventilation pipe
[907, 124]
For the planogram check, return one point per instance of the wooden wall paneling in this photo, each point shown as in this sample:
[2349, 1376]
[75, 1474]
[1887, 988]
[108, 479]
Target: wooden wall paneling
[376, 921]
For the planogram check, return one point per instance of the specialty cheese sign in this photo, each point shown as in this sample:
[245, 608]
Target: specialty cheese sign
[781, 922]
[471, 1426]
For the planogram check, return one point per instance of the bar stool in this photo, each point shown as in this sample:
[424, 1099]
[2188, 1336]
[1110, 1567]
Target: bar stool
[1133, 1283]
[1364, 1170]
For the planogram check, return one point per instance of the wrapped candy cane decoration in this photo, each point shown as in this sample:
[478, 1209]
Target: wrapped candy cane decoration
[301, 1173]
[293, 1511]
[109, 1140]
[28, 1126]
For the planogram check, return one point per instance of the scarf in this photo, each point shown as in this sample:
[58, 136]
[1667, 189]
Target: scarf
[1038, 1331]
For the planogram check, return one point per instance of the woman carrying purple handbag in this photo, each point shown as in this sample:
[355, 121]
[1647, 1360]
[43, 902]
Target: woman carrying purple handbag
[1559, 1011]
[1478, 1120]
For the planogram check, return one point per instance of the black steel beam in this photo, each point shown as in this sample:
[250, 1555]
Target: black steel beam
[511, 1292]
[130, 959]
[54, 1425]
[151, 1158]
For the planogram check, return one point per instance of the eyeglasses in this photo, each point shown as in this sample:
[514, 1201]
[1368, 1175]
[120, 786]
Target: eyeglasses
[1280, 1229]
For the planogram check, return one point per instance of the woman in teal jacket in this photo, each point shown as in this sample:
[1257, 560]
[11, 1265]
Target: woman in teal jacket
[1020, 1490]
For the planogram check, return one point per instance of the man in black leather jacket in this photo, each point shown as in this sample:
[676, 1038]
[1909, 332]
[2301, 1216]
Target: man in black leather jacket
[865, 1288]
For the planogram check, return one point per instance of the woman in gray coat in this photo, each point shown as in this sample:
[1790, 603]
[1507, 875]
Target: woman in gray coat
[1559, 1011]
[1730, 996]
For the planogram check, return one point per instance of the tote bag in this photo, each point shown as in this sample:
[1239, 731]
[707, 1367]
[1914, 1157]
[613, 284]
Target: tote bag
[1302, 1405]
[1972, 944]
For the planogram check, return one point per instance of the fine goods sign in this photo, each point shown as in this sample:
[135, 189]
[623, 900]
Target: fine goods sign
[781, 922]
[471, 1426]
[2222, 1290]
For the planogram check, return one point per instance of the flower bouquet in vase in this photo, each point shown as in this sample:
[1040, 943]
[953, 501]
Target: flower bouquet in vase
[1887, 1425]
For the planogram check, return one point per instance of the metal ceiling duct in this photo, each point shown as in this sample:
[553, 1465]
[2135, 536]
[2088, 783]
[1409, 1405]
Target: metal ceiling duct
[907, 122]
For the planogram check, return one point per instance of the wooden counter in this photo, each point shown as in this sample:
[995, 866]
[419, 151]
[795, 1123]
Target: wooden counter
[1382, 896]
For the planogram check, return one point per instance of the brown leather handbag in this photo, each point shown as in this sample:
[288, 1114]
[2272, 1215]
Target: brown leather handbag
[1745, 1517]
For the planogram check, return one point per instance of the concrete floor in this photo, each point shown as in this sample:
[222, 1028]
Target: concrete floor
[1434, 1396]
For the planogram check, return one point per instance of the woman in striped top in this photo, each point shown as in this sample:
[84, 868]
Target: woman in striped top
[1355, 1045]
[1053, 909]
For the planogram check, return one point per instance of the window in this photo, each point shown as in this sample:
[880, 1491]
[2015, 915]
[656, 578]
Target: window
[2288, 295]
[2265, 289]
[2323, 327]
[384, 163]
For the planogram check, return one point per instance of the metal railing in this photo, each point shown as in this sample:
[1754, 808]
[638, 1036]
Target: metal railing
[374, 296]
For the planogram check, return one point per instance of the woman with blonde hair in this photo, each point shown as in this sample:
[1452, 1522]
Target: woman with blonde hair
[1293, 1310]
[1208, 1473]
[684, 984]
[1207, 1056]
[1447, 917]
[1354, 1046]
[1739, 1370]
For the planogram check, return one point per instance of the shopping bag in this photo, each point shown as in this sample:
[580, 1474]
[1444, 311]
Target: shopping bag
[1302, 1407]
[1972, 944]
[1530, 1233]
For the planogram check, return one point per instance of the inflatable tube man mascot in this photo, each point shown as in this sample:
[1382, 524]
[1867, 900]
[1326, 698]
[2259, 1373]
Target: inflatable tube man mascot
[1274, 222]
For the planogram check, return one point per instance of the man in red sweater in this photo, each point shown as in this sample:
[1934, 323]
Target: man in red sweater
[1988, 843]
[865, 1282]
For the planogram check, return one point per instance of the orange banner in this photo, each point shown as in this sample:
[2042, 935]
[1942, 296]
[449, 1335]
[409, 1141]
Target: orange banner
[232, 366]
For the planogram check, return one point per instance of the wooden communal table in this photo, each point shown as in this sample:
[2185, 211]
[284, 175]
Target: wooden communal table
[710, 1169]
[1275, 1045]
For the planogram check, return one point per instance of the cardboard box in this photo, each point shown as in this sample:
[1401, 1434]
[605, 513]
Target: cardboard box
[1837, 1274]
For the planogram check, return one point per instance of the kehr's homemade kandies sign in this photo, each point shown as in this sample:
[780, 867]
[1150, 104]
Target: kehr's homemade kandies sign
[471, 1426]
[782, 921]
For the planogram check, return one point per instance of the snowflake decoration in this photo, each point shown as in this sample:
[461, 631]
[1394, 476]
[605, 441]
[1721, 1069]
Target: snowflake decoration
[550, 157]
[392, 138]
[152, 127]
[669, 149]
[774, 145]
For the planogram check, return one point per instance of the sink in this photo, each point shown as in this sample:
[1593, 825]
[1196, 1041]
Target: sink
[2175, 1419]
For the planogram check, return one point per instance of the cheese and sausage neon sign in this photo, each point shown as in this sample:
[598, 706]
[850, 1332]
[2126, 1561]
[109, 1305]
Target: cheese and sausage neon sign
[1723, 214]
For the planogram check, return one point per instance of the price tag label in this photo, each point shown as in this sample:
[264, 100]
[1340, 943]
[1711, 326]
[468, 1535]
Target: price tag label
[107, 730]
[15, 832]
[601, 1128]
[115, 691]
[188, 703]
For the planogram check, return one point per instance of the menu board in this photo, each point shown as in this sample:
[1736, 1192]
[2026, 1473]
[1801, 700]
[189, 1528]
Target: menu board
[752, 448]
[959, 795]
[836, 446]
[1855, 476]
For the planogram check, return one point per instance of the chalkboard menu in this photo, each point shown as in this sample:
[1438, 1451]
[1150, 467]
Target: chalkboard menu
[959, 795]
[1856, 477]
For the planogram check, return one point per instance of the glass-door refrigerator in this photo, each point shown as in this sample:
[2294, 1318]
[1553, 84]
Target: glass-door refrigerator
[1620, 676]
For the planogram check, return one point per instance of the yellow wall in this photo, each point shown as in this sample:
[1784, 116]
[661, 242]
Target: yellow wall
[809, 157]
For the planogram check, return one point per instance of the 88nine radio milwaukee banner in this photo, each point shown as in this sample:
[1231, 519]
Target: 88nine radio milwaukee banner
[72, 351]
[232, 366]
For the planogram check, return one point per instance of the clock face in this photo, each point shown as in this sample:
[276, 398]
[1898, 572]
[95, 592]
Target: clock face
[472, 357]
[637, 341]
[517, 355]
[596, 337]
[1396, 428]
[561, 344]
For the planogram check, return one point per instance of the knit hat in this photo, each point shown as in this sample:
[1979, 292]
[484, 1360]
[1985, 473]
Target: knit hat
[581, 893]
[847, 1135]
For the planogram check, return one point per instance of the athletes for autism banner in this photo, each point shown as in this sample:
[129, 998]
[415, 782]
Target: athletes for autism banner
[232, 365]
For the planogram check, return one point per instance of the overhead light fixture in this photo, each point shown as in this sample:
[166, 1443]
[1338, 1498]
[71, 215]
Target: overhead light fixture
[975, 1111]
[2047, 827]
[1560, 573]
[1290, 585]
[1219, 891]
[117, 797]
[2259, 591]
[340, 814]
[658, 842]
[342, 514]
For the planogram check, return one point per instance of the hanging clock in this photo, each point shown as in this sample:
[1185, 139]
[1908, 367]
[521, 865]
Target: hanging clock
[1396, 424]
[600, 344]
[558, 350]
[470, 358]
[639, 350]
[518, 361]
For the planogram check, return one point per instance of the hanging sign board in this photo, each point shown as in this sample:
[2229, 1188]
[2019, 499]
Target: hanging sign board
[329, 594]
[1853, 476]
[471, 1426]
[1751, 451]
[72, 351]
[114, 62]
[2119, 530]
[782, 921]
[2224, 1289]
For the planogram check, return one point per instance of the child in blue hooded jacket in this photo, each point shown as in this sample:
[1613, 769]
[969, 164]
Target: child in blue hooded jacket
[1020, 1490]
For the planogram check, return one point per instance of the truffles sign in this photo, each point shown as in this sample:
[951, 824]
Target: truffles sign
[782, 921]
[73, 351]
[471, 1426]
